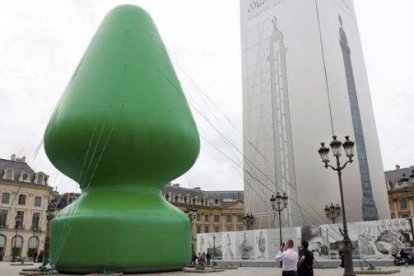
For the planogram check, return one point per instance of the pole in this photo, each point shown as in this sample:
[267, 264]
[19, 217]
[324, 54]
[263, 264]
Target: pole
[280, 227]
[192, 232]
[328, 246]
[348, 265]
[214, 250]
[14, 245]
[45, 260]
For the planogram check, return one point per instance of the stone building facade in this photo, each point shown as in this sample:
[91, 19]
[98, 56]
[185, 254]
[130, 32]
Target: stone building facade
[217, 211]
[400, 186]
[24, 193]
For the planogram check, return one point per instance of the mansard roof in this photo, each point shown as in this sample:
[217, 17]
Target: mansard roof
[395, 175]
[223, 196]
[17, 167]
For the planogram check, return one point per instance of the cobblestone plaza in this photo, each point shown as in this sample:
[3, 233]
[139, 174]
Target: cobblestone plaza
[7, 270]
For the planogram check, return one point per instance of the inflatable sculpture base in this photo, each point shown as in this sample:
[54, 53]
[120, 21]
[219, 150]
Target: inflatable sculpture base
[143, 233]
[122, 130]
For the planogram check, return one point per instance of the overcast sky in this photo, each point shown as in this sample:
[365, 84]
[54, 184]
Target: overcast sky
[41, 43]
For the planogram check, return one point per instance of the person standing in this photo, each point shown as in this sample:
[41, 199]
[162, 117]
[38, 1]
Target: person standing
[199, 258]
[202, 259]
[289, 258]
[305, 264]
[193, 258]
[208, 256]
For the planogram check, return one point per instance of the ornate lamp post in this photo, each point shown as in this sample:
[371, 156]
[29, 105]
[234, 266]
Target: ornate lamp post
[248, 220]
[348, 146]
[214, 250]
[50, 214]
[36, 231]
[18, 221]
[191, 213]
[279, 203]
[332, 212]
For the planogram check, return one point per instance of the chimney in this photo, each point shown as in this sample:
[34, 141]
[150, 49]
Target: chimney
[13, 157]
[397, 167]
[197, 188]
[176, 185]
[21, 159]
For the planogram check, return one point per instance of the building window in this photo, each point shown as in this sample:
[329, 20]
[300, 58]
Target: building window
[3, 218]
[19, 223]
[24, 177]
[198, 229]
[403, 204]
[239, 218]
[17, 242]
[5, 198]
[229, 219]
[405, 216]
[240, 228]
[8, 174]
[198, 217]
[2, 241]
[40, 179]
[22, 199]
[206, 218]
[33, 243]
[38, 201]
[35, 220]
[229, 228]
[216, 218]
[216, 229]
[206, 229]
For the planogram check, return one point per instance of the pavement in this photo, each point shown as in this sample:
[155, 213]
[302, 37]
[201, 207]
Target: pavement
[7, 270]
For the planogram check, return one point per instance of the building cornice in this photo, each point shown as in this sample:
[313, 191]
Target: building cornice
[26, 184]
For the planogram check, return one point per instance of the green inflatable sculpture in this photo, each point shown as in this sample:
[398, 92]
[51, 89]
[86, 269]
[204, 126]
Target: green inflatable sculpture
[122, 130]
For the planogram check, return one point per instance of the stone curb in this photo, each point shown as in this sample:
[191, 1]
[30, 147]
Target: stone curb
[378, 272]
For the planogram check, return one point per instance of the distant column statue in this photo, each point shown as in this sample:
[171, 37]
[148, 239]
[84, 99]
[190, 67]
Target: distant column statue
[369, 209]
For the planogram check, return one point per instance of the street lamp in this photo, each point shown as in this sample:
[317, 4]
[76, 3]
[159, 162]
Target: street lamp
[36, 231]
[348, 146]
[247, 220]
[214, 250]
[332, 212]
[191, 213]
[18, 221]
[279, 203]
[49, 217]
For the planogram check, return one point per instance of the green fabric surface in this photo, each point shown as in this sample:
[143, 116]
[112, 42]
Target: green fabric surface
[122, 130]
